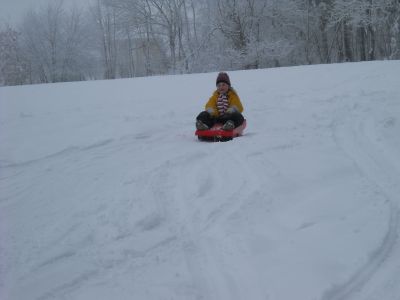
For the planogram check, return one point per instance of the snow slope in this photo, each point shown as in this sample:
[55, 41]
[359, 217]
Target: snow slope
[105, 193]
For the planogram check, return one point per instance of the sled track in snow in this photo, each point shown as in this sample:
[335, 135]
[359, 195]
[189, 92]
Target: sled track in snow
[355, 284]
[203, 255]
[384, 262]
[184, 190]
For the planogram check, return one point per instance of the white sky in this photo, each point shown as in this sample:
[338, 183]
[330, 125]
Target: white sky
[12, 11]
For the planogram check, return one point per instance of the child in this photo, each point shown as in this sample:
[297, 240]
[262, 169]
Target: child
[224, 107]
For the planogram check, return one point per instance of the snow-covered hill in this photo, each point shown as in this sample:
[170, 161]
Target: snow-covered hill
[105, 193]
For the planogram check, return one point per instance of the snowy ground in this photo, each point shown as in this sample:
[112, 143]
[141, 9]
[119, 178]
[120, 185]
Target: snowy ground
[105, 193]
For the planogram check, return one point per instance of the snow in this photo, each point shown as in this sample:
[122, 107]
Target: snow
[105, 192]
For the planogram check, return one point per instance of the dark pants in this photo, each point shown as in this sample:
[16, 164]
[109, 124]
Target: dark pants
[207, 119]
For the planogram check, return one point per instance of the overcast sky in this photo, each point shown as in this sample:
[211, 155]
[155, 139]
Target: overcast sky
[12, 11]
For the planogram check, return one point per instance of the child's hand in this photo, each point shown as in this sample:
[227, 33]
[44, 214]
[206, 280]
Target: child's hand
[210, 111]
[231, 110]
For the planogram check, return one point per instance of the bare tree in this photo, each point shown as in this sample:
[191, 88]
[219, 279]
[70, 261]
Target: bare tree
[54, 44]
[13, 68]
[105, 18]
[145, 37]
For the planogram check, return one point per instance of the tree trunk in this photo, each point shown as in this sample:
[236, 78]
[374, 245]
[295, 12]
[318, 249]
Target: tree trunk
[339, 43]
[371, 35]
[347, 35]
[324, 38]
[362, 43]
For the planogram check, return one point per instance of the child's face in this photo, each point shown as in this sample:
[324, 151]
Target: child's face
[222, 87]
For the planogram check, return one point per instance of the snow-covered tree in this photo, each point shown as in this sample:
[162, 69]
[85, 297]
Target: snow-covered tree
[13, 68]
[127, 38]
[56, 44]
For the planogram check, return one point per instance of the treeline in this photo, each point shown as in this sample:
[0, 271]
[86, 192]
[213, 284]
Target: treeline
[129, 38]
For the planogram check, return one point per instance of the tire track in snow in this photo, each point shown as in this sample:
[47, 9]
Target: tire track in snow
[352, 138]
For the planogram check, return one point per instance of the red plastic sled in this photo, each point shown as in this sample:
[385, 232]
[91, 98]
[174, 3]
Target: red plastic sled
[216, 134]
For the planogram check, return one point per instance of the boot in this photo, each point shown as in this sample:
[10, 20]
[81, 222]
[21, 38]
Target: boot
[229, 125]
[201, 126]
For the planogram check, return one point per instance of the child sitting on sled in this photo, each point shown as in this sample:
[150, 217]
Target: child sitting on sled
[224, 107]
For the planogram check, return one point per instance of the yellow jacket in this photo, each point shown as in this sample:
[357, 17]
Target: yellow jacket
[233, 98]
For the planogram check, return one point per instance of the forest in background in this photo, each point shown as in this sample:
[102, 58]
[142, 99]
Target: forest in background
[130, 38]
